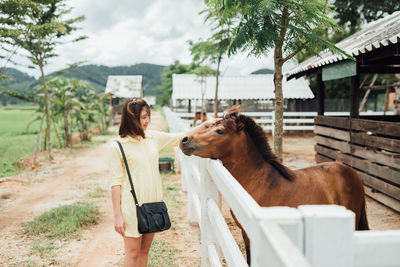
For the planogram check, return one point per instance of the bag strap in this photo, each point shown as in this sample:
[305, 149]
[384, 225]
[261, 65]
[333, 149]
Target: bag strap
[128, 172]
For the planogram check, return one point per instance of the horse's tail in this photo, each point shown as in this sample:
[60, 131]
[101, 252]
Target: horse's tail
[363, 223]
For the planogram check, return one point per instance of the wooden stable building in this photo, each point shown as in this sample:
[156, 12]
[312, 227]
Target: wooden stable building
[253, 92]
[369, 144]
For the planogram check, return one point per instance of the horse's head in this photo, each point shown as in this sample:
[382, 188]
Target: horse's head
[214, 138]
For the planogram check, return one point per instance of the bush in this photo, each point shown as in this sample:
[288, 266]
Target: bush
[64, 222]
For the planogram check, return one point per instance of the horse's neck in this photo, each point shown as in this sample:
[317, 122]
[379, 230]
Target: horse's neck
[245, 163]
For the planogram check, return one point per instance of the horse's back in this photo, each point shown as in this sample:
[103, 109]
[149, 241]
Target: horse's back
[336, 176]
[341, 184]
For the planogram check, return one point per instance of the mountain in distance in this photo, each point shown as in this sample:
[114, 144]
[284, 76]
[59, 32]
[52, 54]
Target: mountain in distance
[263, 71]
[17, 81]
[95, 74]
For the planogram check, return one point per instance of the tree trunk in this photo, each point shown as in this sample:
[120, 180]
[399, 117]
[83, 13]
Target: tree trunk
[46, 110]
[38, 138]
[66, 130]
[278, 124]
[202, 99]
[57, 135]
[216, 89]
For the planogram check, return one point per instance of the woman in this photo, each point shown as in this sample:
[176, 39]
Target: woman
[142, 150]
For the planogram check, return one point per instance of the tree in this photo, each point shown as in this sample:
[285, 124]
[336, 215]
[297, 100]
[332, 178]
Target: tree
[285, 26]
[38, 28]
[214, 48]
[165, 89]
[355, 12]
[63, 103]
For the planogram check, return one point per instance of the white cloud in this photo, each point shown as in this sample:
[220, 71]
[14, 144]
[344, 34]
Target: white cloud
[126, 32]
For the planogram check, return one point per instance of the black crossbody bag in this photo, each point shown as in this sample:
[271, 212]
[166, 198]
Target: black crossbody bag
[152, 217]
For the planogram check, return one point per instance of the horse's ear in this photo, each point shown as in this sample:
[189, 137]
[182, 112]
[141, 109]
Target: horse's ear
[234, 110]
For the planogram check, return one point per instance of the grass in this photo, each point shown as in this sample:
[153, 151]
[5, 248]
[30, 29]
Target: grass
[162, 254]
[106, 133]
[45, 248]
[27, 263]
[64, 222]
[16, 143]
[5, 196]
[97, 192]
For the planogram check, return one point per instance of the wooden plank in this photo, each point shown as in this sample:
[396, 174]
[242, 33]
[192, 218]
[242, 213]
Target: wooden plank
[327, 152]
[377, 127]
[375, 156]
[339, 145]
[337, 122]
[383, 172]
[376, 141]
[380, 185]
[335, 133]
[320, 158]
[382, 198]
[374, 169]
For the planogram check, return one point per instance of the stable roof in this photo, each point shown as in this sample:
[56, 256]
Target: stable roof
[375, 35]
[124, 86]
[260, 86]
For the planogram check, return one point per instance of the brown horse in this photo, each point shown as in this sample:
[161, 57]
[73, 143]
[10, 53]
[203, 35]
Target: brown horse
[197, 116]
[243, 149]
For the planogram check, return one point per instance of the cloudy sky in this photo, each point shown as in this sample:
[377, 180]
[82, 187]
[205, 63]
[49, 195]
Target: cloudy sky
[126, 32]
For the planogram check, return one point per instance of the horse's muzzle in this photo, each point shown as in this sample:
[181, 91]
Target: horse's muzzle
[187, 146]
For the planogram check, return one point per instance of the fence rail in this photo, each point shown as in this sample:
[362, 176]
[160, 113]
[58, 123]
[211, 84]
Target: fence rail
[292, 121]
[280, 236]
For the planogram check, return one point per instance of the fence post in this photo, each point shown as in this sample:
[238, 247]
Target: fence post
[193, 179]
[328, 235]
[288, 220]
[208, 190]
[185, 171]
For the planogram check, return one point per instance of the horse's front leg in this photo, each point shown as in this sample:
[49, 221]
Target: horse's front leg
[245, 239]
[247, 245]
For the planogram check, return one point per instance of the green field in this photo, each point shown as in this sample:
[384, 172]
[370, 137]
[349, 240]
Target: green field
[15, 143]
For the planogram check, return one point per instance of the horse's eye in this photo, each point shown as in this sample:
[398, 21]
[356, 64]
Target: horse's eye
[219, 131]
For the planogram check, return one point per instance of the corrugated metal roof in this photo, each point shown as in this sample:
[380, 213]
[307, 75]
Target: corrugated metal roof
[375, 35]
[260, 86]
[124, 86]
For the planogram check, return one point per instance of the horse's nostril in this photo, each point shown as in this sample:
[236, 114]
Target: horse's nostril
[185, 140]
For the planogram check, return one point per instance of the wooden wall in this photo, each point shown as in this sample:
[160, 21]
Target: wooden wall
[371, 145]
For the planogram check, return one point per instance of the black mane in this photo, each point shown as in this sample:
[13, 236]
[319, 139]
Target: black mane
[260, 141]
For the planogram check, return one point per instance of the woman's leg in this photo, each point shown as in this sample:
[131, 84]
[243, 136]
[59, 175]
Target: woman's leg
[132, 251]
[147, 239]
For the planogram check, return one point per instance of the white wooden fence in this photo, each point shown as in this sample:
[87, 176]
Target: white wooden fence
[280, 236]
[292, 121]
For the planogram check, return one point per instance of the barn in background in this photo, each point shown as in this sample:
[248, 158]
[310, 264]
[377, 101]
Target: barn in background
[369, 144]
[121, 87]
[253, 92]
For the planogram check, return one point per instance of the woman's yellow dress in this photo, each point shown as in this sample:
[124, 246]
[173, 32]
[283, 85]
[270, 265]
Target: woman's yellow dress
[142, 157]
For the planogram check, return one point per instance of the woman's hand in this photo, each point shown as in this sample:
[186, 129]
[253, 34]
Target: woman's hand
[119, 225]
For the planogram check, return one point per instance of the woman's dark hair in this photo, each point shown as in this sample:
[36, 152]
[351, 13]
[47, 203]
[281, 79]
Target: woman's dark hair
[130, 119]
